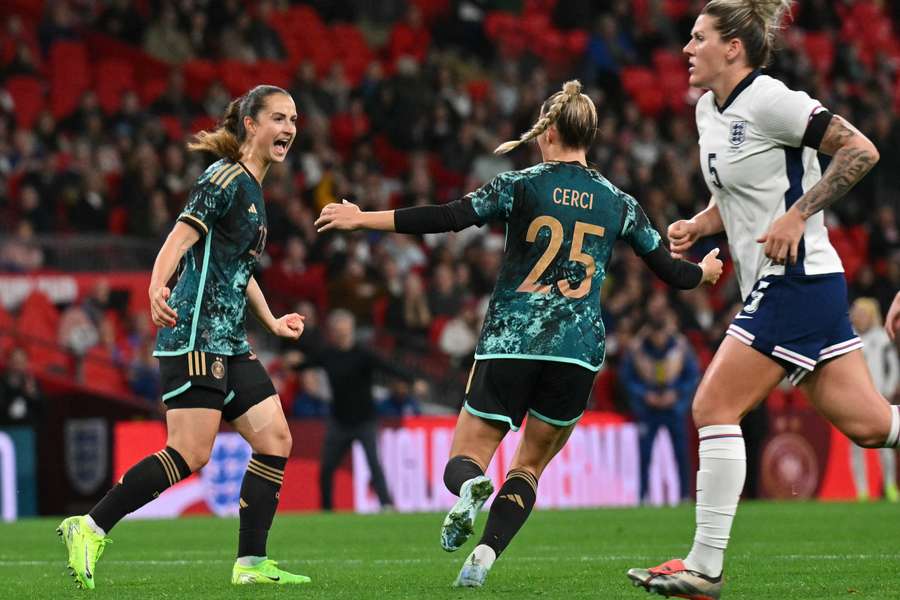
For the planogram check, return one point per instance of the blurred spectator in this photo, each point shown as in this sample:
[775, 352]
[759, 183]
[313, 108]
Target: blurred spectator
[293, 278]
[400, 401]
[408, 315]
[21, 400]
[445, 298]
[660, 374]
[460, 335]
[350, 368]
[881, 358]
[20, 253]
[164, 40]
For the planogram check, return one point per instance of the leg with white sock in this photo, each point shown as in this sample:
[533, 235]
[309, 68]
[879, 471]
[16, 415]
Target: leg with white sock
[720, 479]
[860, 476]
[738, 378]
[889, 470]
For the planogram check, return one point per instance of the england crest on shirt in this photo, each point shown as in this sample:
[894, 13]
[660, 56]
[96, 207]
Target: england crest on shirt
[738, 132]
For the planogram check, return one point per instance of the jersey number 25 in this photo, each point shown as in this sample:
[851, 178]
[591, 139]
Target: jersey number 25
[532, 280]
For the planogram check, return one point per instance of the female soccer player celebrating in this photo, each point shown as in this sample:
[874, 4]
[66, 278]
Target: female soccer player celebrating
[207, 368]
[758, 148]
[543, 339]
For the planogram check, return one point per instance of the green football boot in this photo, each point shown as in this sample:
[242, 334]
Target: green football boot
[85, 548]
[265, 572]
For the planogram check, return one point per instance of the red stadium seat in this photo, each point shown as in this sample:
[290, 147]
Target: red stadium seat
[70, 76]
[635, 79]
[173, 127]
[112, 78]
[28, 95]
[100, 373]
[38, 324]
[198, 75]
[7, 333]
[820, 50]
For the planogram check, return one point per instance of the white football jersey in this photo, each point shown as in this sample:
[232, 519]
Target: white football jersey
[756, 168]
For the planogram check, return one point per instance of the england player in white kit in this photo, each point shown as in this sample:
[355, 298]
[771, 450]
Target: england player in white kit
[760, 145]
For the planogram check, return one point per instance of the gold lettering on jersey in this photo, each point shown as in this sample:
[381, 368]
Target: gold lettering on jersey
[571, 197]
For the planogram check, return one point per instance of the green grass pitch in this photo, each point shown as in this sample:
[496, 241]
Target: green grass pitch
[778, 551]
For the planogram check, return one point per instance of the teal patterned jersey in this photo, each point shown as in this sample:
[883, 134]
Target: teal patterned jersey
[562, 220]
[226, 207]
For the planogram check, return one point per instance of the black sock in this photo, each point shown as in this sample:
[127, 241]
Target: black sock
[459, 470]
[139, 485]
[259, 499]
[510, 509]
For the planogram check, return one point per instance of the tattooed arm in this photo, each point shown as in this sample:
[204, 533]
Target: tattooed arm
[853, 155]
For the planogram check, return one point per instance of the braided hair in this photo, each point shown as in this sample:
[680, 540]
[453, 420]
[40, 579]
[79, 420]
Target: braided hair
[572, 112]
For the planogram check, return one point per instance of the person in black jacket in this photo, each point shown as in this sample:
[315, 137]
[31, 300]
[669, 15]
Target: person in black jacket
[350, 368]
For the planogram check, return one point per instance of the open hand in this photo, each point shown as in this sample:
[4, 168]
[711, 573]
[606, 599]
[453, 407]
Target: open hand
[338, 216]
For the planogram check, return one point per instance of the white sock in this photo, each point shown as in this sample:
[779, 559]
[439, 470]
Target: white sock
[720, 480]
[893, 438]
[888, 466]
[93, 525]
[485, 555]
[858, 466]
[250, 561]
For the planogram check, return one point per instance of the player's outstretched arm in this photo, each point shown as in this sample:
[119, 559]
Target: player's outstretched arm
[180, 239]
[682, 234]
[434, 218]
[289, 326]
[348, 217]
[683, 274]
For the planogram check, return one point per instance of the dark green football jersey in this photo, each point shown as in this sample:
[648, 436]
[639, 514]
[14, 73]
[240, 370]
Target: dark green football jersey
[562, 220]
[226, 207]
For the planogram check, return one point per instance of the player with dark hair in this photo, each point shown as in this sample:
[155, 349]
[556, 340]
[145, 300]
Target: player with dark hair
[207, 368]
[543, 338]
[759, 145]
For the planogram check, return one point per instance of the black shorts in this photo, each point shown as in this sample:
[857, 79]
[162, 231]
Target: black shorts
[231, 384]
[505, 389]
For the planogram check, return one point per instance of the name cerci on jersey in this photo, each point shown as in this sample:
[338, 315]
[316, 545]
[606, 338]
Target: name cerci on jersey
[576, 198]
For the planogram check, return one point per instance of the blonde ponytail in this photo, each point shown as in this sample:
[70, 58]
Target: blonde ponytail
[754, 22]
[550, 114]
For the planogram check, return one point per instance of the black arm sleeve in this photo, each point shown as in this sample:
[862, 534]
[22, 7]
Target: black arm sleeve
[436, 218]
[815, 129]
[678, 273]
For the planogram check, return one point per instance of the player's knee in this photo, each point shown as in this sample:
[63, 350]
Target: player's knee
[867, 436]
[195, 457]
[284, 441]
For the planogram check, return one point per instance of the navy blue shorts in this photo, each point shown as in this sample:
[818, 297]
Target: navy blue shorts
[799, 321]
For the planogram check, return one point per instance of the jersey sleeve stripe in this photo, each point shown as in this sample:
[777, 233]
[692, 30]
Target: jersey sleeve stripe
[194, 222]
[231, 178]
[223, 173]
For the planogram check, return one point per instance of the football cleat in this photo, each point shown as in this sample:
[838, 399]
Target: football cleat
[472, 574]
[85, 548]
[266, 572]
[459, 524]
[673, 579]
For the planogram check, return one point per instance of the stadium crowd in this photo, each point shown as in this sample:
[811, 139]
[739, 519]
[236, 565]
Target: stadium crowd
[401, 104]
